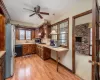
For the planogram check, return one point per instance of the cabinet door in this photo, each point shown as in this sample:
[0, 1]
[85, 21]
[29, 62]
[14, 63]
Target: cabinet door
[33, 34]
[30, 48]
[2, 33]
[25, 49]
[17, 34]
[47, 53]
[36, 33]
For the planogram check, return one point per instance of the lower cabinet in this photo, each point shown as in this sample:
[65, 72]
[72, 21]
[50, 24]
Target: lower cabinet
[43, 52]
[28, 49]
[2, 68]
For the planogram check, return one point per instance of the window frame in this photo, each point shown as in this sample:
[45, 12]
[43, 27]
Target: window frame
[30, 34]
[25, 34]
[19, 34]
[58, 31]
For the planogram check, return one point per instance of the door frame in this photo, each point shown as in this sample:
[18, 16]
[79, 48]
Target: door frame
[73, 36]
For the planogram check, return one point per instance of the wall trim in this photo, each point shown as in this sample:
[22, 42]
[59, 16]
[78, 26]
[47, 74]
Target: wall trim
[63, 66]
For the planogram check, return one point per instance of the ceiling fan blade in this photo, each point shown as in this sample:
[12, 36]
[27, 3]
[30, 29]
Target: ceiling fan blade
[32, 14]
[45, 13]
[28, 9]
[40, 16]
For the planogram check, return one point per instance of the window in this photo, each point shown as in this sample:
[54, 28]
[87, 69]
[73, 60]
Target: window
[22, 34]
[62, 29]
[25, 34]
[28, 35]
[63, 33]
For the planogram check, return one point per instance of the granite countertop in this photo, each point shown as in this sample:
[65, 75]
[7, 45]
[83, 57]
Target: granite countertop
[52, 48]
[2, 53]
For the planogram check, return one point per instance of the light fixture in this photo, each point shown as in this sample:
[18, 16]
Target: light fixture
[53, 32]
[39, 34]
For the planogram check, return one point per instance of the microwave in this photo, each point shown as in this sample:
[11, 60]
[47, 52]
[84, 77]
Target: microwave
[37, 40]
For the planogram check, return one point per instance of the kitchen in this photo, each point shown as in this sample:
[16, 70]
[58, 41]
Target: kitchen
[38, 40]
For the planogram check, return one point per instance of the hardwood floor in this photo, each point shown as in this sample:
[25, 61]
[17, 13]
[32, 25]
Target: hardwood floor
[34, 68]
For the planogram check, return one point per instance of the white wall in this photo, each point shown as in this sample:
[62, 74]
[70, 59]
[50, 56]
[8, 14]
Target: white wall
[84, 5]
[84, 19]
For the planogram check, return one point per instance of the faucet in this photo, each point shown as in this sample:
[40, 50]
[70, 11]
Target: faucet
[26, 41]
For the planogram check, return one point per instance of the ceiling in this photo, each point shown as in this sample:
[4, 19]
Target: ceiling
[56, 7]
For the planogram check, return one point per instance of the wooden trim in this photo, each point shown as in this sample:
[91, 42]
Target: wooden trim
[20, 27]
[25, 33]
[95, 37]
[82, 14]
[73, 39]
[73, 45]
[5, 11]
[73, 36]
[63, 66]
[67, 19]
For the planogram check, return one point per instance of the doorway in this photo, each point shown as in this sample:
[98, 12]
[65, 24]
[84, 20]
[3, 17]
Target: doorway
[83, 45]
[95, 41]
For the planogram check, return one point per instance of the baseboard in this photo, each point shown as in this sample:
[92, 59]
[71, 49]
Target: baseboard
[63, 66]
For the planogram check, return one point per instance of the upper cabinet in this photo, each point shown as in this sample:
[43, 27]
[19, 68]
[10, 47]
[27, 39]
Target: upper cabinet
[43, 31]
[37, 33]
[47, 31]
[17, 34]
[33, 34]
[2, 32]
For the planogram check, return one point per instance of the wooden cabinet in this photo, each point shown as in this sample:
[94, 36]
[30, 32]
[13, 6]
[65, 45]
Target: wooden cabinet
[47, 31]
[33, 34]
[44, 30]
[47, 53]
[28, 49]
[2, 33]
[25, 49]
[2, 67]
[43, 52]
[37, 33]
[17, 34]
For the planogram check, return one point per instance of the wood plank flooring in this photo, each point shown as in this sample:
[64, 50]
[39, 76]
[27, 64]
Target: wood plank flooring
[34, 68]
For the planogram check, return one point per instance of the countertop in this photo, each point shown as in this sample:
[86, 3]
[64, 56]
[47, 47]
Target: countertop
[23, 43]
[2, 53]
[58, 49]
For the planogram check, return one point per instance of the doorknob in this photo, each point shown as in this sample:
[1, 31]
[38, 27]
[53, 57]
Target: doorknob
[94, 62]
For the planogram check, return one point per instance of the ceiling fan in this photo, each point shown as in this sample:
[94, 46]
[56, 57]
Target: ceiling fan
[37, 11]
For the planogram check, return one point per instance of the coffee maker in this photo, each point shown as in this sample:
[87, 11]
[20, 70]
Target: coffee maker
[54, 43]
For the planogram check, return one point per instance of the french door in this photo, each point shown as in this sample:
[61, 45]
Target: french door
[95, 41]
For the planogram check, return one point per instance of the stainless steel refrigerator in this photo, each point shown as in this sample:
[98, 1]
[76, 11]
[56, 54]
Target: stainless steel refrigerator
[10, 50]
